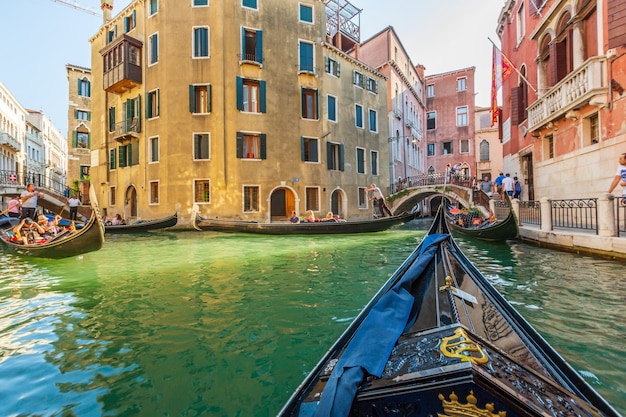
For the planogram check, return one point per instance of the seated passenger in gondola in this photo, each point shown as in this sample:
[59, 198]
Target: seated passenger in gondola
[329, 217]
[27, 232]
[294, 219]
[310, 217]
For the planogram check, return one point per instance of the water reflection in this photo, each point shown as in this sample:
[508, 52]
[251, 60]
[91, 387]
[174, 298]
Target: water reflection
[183, 323]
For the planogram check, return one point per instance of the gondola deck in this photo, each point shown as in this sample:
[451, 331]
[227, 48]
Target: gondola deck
[439, 339]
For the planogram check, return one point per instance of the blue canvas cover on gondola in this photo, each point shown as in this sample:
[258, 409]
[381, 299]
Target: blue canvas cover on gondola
[373, 342]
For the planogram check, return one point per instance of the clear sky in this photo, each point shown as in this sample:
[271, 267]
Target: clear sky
[39, 37]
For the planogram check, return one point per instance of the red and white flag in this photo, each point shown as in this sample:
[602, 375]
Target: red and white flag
[501, 68]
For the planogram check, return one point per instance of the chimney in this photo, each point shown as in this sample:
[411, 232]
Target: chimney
[107, 7]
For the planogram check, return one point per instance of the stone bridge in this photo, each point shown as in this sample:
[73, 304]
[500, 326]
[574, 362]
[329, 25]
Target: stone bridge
[409, 197]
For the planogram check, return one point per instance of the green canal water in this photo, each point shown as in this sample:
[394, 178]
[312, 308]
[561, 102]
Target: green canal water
[209, 324]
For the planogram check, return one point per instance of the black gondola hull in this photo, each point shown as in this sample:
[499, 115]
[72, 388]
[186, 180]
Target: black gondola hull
[357, 226]
[143, 226]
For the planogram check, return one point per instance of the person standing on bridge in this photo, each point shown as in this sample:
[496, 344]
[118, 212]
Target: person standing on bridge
[380, 199]
[620, 177]
[486, 186]
[29, 199]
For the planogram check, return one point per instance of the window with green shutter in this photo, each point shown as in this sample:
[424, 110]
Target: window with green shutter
[111, 119]
[112, 159]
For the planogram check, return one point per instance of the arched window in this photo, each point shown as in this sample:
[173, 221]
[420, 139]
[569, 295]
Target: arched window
[484, 150]
[563, 51]
[544, 64]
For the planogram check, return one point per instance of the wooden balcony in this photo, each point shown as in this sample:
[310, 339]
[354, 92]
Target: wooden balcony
[122, 65]
[586, 85]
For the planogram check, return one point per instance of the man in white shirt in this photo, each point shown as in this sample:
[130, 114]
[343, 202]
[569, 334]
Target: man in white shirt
[508, 185]
[380, 199]
[620, 177]
[73, 203]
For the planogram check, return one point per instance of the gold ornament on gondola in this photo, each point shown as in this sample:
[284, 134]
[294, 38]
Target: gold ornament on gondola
[454, 408]
[461, 346]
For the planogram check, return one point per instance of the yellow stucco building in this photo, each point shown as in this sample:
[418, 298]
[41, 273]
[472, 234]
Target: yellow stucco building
[244, 109]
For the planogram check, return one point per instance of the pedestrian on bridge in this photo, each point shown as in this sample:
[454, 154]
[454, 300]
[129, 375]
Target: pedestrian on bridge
[486, 186]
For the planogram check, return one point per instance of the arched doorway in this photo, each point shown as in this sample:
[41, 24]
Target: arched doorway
[282, 202]
[130, 202]
[337, 203]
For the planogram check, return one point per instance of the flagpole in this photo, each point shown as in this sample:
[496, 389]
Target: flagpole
[514, 67]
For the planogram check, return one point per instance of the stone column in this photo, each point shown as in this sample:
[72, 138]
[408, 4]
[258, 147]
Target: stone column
[606, 216]
[578, 47]
[546, 214]
[515, 205]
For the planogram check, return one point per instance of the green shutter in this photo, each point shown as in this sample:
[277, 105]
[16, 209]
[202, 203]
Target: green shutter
[89, 140]
[149, 105]
[239, 145]
[327, 64]
[263, 146]
[122, 156]
[303, 99]
[302, 149]
[74, 139]
[209, 92]
[259, 46]
[112, 160]
[341, 153]
[262, 96]
[239, 93]
[139, 113]
[134, 153]
[317, 105]
[88, 116]
[243, 43]
[314, 157]
[192, 99]
[329, 155]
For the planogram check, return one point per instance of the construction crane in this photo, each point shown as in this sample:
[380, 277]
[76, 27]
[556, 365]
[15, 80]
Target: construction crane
[73, 4]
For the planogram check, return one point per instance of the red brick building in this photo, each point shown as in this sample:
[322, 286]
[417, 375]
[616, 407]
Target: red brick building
[450, 121]
[563, 118]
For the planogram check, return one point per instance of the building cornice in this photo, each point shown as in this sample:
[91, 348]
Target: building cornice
[354, 60]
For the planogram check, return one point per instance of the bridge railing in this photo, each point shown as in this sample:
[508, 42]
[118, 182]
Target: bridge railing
[620, 216]
[530, 212]
[575, 213]
[438, 178]
[21, 179]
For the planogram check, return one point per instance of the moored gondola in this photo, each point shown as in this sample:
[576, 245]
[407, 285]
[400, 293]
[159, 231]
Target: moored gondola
[499, 230]
[439, 339]
[143, 225]
[322, 227]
